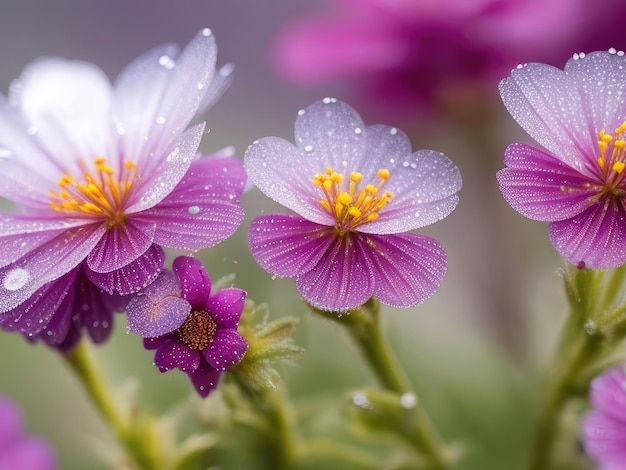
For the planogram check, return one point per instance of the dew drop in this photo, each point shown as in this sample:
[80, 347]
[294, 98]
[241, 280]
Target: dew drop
[206, 32]
[167, 62]
[193, 210]
[361, 401]
[612, 50]
[16, 279]
[301, 112]
[590, 327]
[393, 131]
[160, 120]
[408, 400]
[358, 130]
[308, 148]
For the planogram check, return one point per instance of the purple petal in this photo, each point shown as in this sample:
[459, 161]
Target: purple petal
[28, 454]
[288, 245]
[11, 419]
[204, 208]
[132, 277]
[408, 268]
[541, 187]
[156, 183]
[226, 350]
[205, 378]
[547, 103]
[341, 280]
[225, 306]
[20, 235]
[158, 309]
[608, 393]
[605, 440]
[596, 237]
[601, 80]
[194, 280]
[155, 343]
[175, 354]
[158, 94]
[285, 174]
[121, 245]
[46, 263]
[68, 103]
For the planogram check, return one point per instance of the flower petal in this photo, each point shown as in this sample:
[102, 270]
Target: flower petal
[132, 277]
[158, 182]
[225, 306]
[288, 245]
[205, 378]
[66, 104]
[194, 280]
[601, 79]
[285, 174]
[605, 440]
[408, 268]
[175, 354]
[179, 91]
[608, 394]
[595, 237]
[547, 103]
[158, 309]
[203, 209]
[121, 245]
[226, 350]
[46, 263]
[29, 453]
[541, 187]
[341, 280]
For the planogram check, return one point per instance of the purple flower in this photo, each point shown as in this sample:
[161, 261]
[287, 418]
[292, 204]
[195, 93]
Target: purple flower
[355, 190]
[17, 450]
[577, 184]
[191, 328]
[604, 428]
[102, 177]
[402, 53]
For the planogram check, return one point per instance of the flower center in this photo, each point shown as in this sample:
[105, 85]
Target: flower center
[611, 160]
[102, 194]
[198, 330]
[352, 204]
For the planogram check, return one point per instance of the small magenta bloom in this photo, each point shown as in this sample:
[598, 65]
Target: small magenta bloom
[355, 190]
[604, 428]
[191, 328]
[17, 450]
[103, 176]
[577, 184]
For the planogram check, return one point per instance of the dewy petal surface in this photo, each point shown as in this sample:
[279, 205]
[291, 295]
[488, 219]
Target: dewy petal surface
[288, 245]
[608, 394]
[194, 280]
[205, 379]
[67, 104]
[341, 280]
[541, 187]
[226, 306]
[174, 354]
[203, 209]
[158, 309]
[547, 103]
[408, 268]
[226, 350]
[596, 237]
[46, 263]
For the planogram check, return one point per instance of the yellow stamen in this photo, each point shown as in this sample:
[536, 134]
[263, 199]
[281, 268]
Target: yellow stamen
[618, 167]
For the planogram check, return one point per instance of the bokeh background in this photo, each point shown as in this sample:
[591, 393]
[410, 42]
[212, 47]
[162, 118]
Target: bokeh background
[476, 351]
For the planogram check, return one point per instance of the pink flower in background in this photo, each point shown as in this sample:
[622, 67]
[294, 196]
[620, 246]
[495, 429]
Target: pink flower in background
[102, 177]
[17, 450]
[190, 327]
[355, 190]
[604, 428]
[578, 183]
[403, 53]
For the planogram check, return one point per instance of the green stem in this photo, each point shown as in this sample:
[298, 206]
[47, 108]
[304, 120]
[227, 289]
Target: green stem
[130, 431]
[363, 326]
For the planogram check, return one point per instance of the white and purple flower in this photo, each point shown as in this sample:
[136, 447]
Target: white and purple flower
[604, 428]
[103, 176]
[578, 183]
[17, 449]
[355, 190]
[191, 328]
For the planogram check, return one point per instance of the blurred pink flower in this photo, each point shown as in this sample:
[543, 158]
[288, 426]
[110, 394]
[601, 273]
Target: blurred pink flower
[403, 53]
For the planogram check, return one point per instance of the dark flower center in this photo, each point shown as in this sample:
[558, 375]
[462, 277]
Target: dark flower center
[101, 194]
[198, 330]
[352, 204]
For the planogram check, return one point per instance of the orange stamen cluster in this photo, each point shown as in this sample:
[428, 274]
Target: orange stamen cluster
[352, 205]
[612, 155]
[99, 195]
[198, 330]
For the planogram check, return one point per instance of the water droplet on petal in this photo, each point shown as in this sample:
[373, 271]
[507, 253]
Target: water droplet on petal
[16, 279]
[167, 62]
[193, 210]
